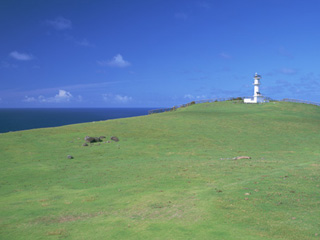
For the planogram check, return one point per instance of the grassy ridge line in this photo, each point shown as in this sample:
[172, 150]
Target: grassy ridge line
[165, 179]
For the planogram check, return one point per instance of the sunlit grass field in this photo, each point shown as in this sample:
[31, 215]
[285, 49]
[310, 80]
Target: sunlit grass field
[171, 176]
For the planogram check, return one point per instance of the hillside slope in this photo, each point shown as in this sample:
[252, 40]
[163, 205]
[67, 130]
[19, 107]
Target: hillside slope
[171, 176]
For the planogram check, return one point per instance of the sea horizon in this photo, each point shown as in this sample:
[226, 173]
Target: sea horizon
[19, 119]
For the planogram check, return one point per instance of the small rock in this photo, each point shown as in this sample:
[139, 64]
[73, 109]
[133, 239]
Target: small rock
[108, 141]
[247, 194]
[89, 139]
[102, 137]
[114, 138]
[85, 144]
[70, 157]
[241, 157]
[92, 139]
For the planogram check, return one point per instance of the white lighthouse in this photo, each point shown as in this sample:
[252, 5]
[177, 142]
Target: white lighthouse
[257, 97]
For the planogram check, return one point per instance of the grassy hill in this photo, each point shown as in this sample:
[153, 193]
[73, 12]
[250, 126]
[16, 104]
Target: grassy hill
[171, 176]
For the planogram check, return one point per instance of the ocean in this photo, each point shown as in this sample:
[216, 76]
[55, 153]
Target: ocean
[29, 118]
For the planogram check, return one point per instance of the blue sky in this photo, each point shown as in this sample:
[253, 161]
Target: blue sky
[156, 53]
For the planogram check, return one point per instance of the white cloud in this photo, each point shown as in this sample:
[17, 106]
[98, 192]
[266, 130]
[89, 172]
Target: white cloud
[122, 99]
[88, 87]
[117, 61]
[41, 98]
[29, 99]
[225, 55]
[62, 96]
[60, 23]
[85, 43]
[189, 96]
[109, 97]
[202, 97]
[21, 56]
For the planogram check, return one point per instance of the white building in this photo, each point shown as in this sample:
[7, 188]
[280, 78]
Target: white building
[257, 97]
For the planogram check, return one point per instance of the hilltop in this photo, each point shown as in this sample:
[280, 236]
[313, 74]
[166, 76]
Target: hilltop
[171, 176]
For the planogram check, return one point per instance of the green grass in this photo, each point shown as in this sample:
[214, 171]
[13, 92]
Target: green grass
[165, 178]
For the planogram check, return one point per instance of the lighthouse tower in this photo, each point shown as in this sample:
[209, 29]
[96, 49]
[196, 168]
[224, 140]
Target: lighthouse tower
[256, 83]
[257, 97]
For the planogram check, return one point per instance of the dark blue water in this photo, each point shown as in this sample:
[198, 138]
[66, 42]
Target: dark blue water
[23, 119]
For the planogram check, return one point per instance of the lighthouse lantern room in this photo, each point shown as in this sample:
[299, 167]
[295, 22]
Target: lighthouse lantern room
[257, 97]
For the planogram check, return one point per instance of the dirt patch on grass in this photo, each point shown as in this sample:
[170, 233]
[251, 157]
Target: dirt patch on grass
[66, 218]
[58, 232]
[166, 209]
[315, 165]
[70, 218]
